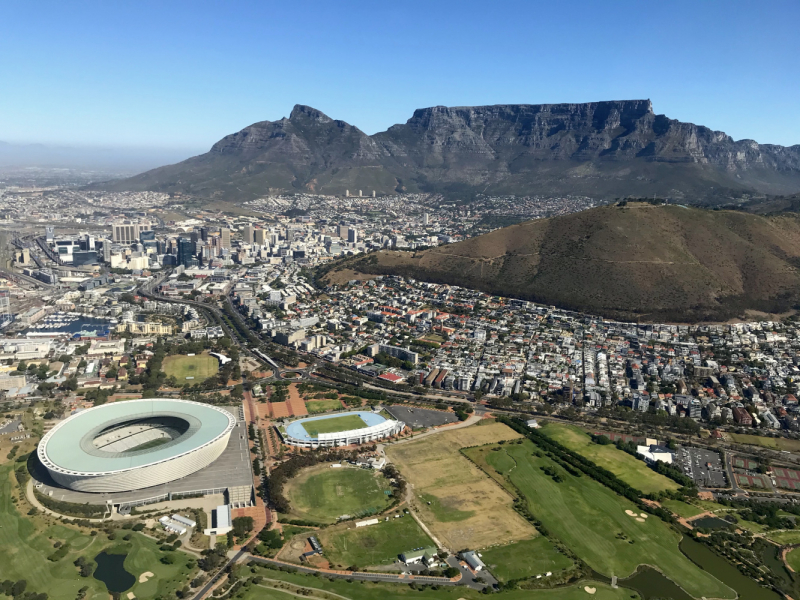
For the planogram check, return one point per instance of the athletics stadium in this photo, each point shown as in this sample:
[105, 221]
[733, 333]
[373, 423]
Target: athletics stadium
[340, 429]
[134, 444]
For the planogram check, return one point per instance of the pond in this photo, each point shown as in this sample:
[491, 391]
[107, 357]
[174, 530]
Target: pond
[720, 568]
[710, 523]
[652, 584]
[111, 571]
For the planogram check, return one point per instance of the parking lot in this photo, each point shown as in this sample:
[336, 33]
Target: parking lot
[419, 418]
[703, 466]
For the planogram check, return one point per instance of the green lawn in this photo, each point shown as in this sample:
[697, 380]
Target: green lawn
[785, 538]
[373, 545]
[591, 520]
[200, 367]
[319, 406]
[766, 442]
[341, 590]
[682, 509]
[323, 494]
[527, 558]
[793, 560]
[25, 545]
[344, 422]
[629, 469]
[444, 513]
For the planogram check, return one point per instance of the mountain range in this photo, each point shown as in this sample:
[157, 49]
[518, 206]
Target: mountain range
[599, 149]
[661, 263]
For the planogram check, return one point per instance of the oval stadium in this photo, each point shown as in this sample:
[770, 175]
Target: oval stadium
[134, 444]
[340, 429]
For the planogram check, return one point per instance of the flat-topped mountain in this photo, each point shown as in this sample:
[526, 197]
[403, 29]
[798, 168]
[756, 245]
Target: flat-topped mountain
[639, 261]
[602, 149]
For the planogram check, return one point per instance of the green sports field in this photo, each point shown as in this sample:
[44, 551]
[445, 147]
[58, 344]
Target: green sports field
[629, 469]
[26, 544]
[373, 545]
[591, 520]
[320, 406]
[200, 367]
[334, 425]
[524, 559]
[322, 494]
[338, 589]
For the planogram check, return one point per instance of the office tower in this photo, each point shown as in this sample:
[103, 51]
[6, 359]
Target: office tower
[50, 233]
[126, 232]
[352, 235]
[426, 219]
[194, 236]
[185, 251]
[147, 236]
[225, 237]
[247, 234]
[260, 237]
[204, 234]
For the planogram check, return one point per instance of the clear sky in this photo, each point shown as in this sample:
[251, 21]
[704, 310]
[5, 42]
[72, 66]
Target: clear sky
[181, 75]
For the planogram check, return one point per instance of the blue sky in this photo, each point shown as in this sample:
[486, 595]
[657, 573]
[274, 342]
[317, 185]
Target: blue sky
[181, 75]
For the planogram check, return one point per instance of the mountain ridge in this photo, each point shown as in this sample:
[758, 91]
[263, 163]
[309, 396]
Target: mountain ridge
[658, 263]
[603, 149]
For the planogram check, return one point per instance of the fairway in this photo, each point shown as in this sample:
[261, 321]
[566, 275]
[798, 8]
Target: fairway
[682, 509]
[466, 509]
[200, 367]
[591, 520]
[322, 494]
[333, 425]
[320, 406]
[524, 559]
[24, 549]
[342, 590]
[628, 468]
[373, 545]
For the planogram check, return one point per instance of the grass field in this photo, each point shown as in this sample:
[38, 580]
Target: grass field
[334, 425]
[200, 366]
[26, 543]
[527, 558]
[793, 560]
[591, 520]
[631, 470]
[682, 509]
[322, 494]
[441, 475]
[373, 545]
[338, 589]
[785, 538]
[319, 406]
[766, 442]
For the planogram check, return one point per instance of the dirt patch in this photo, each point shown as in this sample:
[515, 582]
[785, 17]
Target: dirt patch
[435, 466]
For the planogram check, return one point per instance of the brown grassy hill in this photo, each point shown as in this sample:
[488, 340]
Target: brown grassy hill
[645, 262]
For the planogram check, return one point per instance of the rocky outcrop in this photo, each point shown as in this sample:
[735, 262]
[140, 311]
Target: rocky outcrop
[602, 149]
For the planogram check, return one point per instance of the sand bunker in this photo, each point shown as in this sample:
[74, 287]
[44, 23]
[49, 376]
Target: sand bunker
[630, 513]
[589, 590]
[145, 576]
[131, 596]
[640, 519]
[643, 515]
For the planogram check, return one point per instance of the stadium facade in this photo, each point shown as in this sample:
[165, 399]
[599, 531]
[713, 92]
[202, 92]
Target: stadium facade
[378, 428]
[134, 444]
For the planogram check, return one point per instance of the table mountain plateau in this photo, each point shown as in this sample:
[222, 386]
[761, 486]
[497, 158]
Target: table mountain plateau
[640, 262]
[599, 149]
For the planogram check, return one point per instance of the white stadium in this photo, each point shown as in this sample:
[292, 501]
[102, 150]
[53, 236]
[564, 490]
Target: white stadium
[134, 444]
[306, 432]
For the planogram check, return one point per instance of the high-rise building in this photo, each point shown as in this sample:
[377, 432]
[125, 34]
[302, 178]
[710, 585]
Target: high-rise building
[204, 234]
[247, 234]
[426, 219]
[49, 233]
[185, 251]
[260, 237]
[225, 237]
[125, 232]
[194, 236]
[352, 235]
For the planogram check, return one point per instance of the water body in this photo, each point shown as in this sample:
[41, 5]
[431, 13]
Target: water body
[652, 584]
[111, 571]
[720, 568]
[711, 523]
[52, 326]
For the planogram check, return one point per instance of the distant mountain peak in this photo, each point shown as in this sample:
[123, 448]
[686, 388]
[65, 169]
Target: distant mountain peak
[606, 149]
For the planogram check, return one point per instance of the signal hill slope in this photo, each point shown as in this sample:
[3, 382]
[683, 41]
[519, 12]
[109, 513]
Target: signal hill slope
[599, 149]
[639, 261]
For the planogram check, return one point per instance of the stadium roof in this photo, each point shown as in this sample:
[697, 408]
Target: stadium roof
[69, 444]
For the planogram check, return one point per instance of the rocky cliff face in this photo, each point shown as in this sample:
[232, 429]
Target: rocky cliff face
[603, 149]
